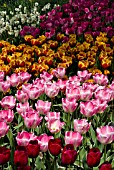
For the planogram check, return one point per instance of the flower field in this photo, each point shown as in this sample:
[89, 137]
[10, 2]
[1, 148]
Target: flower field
[57, 85]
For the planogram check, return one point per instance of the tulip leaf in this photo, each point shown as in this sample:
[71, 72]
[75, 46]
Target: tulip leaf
[93, 135]
[17, 127]
[10, 137]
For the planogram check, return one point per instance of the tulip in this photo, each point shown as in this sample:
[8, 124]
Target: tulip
[4, 86]
[23, 138]
[8, 102]
[101, 105]
[26, 87]
[100, 79]
[51, 90]
[73, 93]
[69, 106]
[22, 108]
[33, 149]
[14, 79]
[24, 168]
[52, 116]
[4, 128]
[43, 106]
[105, 134]
[54, 146]
[32, 119]
[93, 157]
[43, 140]
[84, 75]
[59, 73]
[74, 138]
[34, 92]
[4, 155]
[24, 76]
[22, 96]
[99, 93]
[6, 115]
[2, 74]
[62, 84]
[81, 126]
[105, 166]
[46, 76]
[20, 156]
[85, 94]
[68, 155]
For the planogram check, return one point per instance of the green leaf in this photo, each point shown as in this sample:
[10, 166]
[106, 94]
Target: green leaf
[10, 137]
[18, 126]
[93, 135]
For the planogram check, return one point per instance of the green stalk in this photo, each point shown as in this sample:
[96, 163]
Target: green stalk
[104, 153]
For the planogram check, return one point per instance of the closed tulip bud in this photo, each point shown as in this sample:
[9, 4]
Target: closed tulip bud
[105, 166]
[54, 146]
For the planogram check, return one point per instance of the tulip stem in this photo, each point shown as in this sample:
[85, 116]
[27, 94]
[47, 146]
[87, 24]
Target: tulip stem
[33, 163]
[104, 153]
[2, 167]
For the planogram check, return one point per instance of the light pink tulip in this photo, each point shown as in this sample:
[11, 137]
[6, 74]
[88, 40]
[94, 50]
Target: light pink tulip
[105, 134]
[81, 126]
[32, 119]
[55, 126]
[90, 86]
[73, 81]
[2, 74]
[85, 94]
[8, 102]
[59, 72]
[46, 76]
[62, 84]
[4, 128]
[4, 86]
[26, 87]
[84, 75]
[87, 108]
[100, 105]
[52, 116]
[34, 92]
[40, 84]
[6, 115]
[43, 141]
[51, 90]
[14, 79]
[22, 96]
[72, 93]
[103, 92]
[24, 137]
[100, 79]
[24, 76]
[74, 138]
[69, 106]
[22, 108]
[43, 106]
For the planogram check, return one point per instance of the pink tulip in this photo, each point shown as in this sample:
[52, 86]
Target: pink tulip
[26, 87]
[24, 76]
[46, 76]
[84, 75]
[4, 128]
[40, 84]
[8, 102]
[32, 119]
[90, 86]
[73, 81]
[22, 108]
[100, 79]
[74, 138]
[55, 126]
[52, 116]
[34, 92]
[22, 96]
[51, 90]
[85, 94]
[24, 137]
[81, 126]
[43, 106]
[2, 74]
[105, 134]
[4, 86]
[14, 79]
[6, 115]
[73, 92]
[69, 106]
[103, 92]
[100, 105]
[88, 108]
[62, 84]
[43, 141]
[59, 72]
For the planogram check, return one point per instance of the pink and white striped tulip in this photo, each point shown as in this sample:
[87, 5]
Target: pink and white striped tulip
[59, 72]
[43, 140]
[100, 79]
[8, 102]
[84, 75]
[51, 90]
[90, 86]
[72, 93]
[24, 137]
[103, 92]
[22, 96]
[22, 108]
[40, 84]
[85, 94]
[4, 128]
[34, 92]
[105, 134]
[2, 74]
[69, 106]
[24, 76]
[32, 119]
[43, 106]
[81, 126]
[87, 108]
[74, 138]
[55, 125]
[6, 115]
[26, 87]
[100, 105]
[46, 76]
[4, 86]
[14, 79]
[62, 84]
[52, 116]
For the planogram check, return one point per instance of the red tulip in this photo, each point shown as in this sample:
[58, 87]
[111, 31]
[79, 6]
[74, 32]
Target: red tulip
[93, 157]
[4, 155]
[20, 156]
[24, 168]
[54, 146]
[105, 166]
[68, 155]
[33, 149]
